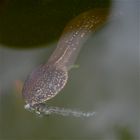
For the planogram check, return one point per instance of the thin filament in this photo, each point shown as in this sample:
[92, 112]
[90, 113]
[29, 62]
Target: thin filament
[45, 110]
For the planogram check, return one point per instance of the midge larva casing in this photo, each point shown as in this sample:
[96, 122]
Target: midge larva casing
[48, 79]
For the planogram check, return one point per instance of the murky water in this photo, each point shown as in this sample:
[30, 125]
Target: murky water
[106, 82]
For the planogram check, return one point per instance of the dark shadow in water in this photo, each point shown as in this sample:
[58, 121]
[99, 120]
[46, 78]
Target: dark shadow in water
[32, 23]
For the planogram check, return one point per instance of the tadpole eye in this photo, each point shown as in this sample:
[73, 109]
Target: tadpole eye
[43, 84]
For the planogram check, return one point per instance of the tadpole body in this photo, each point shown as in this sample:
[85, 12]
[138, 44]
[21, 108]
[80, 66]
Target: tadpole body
[48, 80]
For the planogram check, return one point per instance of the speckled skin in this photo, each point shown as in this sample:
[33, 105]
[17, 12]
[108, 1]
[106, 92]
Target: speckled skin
[44, 83]
[77, 31]
[47, 80]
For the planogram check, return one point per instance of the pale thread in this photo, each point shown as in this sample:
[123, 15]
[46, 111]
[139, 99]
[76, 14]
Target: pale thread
[45, 110]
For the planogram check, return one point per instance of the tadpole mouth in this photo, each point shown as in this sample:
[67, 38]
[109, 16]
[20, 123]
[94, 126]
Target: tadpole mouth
[37, 108]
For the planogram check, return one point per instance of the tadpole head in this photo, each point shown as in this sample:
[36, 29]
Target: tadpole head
[43, 84]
